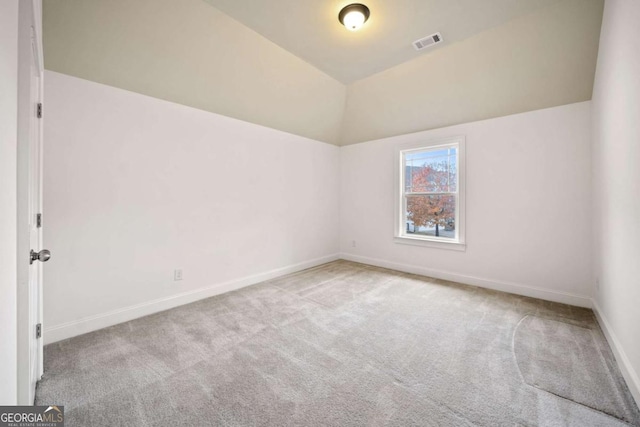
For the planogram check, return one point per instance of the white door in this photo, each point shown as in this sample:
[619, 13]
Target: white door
[35, 221]
[30, 252]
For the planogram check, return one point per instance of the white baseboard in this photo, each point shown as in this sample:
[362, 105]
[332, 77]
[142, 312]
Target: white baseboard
[628, 372]
[512, 288]
[93, 323]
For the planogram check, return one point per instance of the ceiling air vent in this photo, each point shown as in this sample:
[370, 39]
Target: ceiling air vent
[428, 41]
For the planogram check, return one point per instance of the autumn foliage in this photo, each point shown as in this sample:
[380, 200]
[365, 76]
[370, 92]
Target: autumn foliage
[433, 210]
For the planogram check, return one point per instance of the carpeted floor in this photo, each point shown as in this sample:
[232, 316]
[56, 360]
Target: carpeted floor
[344, 344]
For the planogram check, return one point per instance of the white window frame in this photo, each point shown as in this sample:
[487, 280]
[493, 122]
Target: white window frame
[400, 235]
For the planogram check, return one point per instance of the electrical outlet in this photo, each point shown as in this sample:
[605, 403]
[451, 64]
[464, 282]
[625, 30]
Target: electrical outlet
[353, 243]
[598, 283]
[177, 274]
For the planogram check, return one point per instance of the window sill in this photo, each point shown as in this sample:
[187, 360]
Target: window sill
[431, 243]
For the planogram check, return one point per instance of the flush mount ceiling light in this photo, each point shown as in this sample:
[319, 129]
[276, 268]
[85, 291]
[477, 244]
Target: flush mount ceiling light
[354, 16]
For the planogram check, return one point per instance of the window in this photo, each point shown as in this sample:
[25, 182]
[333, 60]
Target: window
[430, 202]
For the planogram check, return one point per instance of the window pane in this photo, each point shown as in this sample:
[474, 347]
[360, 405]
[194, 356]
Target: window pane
[431, 216]
[431, 171]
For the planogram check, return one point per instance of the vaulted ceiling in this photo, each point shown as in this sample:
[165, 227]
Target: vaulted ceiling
[310, 29]
[290, 65]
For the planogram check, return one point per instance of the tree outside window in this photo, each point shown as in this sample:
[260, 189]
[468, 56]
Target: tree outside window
[430, 192]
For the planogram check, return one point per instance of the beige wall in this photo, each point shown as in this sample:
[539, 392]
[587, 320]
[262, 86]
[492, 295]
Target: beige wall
[503, 158]
[616, 180]
[541, 60]
[189, 52]
[155, 186]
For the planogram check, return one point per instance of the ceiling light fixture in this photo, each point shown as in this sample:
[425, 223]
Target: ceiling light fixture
[354, 16]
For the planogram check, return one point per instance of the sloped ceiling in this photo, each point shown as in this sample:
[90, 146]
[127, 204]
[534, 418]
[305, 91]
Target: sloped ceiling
[310, 29]
[290, 65]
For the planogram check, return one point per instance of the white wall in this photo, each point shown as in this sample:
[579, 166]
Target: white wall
[189, 52]
[544, 59]
[616, 180]
[528, 205]
[136, 187]
[8, 200]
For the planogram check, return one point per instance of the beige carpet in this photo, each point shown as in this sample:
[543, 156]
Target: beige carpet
[344, 344]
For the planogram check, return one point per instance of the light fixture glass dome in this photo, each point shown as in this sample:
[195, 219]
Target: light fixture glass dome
[354, 20]
[354, 16]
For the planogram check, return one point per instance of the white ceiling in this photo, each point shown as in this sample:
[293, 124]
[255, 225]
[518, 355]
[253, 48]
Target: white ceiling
[310, 29]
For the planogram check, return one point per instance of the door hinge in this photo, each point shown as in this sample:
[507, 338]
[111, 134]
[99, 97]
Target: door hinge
[39, 220]
[39, 330]
[39, 113]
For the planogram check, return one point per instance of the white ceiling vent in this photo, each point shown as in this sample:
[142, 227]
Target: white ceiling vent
[428, 41]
